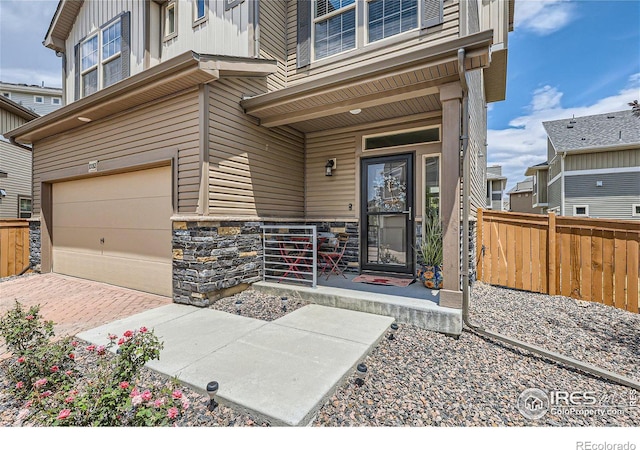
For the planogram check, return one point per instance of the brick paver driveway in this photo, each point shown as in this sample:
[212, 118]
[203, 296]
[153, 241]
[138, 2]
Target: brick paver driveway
[73, 304]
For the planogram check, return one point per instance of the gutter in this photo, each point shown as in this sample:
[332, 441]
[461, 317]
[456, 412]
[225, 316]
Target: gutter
[12, 140]
[468, 326]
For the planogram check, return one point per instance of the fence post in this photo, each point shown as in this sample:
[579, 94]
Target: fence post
[552, 249]
[479, 245]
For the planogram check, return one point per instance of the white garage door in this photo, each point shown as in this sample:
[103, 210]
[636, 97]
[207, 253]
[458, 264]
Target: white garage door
[115, 229]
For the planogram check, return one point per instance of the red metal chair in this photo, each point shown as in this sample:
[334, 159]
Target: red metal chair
[332, 255]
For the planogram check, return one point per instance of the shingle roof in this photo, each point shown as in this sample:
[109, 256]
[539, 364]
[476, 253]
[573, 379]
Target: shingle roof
[592, 132]
[522, 186]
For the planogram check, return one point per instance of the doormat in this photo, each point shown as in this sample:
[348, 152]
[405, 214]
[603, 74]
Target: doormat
[383, 280]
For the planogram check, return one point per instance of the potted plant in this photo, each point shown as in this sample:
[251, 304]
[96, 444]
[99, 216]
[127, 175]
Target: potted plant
[430, 269]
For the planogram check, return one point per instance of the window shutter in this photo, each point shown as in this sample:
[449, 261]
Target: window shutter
[125, 49]
[432, 13]
[303, 56]
[76, 70]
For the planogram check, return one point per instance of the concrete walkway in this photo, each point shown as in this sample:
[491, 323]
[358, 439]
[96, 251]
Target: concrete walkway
[280, 371]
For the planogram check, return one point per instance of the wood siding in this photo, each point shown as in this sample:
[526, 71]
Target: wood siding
[169, 124]
[613, 200]
[253, 171]
[603, 160]
[16, 162]
[371, 53]
[273, 39]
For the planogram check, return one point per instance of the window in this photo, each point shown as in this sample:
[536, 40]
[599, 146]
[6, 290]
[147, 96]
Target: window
[496, 196]
[432, 184]
[24, 207]
[170, 28]
[405, 138]
[581, 210]
[89, 66]
[39, 99]
[199, 10]
[390, 17]
[7, 95]
[334, 27]
[111, 46]
[635, 210]
[56, 101]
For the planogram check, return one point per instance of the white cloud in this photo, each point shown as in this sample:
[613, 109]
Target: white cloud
[30, 76]
[524, 142]
[543, 17]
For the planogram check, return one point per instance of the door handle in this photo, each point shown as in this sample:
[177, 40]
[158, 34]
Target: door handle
[102, 240]
[408, 211]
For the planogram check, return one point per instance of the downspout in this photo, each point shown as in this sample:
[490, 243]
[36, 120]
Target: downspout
[562, 184]
[476, 329]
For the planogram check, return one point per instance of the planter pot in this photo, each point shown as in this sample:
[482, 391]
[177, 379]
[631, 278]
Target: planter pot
[430, 276]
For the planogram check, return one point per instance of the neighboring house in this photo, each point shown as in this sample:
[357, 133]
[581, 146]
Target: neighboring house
[539, 176]
[190, 123]
[521, 198]
[593, 167]
[39, 99]
[496, 185]
[15, 164]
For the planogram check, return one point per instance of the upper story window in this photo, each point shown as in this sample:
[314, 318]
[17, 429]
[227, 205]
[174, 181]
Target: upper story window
[387, 18]
[56, 101]
[39, 99]
[7, 95]
[334, 27]
[102, 57]
[170, 14]
[200, 10]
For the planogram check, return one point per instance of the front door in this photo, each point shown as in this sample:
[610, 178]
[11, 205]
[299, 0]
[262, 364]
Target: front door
[387, 213]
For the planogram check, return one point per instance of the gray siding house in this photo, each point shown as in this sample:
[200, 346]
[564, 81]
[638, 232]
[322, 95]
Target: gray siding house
[39, 99]
[210, 118]
[496, 185]
[593, 167]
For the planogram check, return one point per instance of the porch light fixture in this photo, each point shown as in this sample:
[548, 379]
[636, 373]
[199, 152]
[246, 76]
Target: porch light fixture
[329, 166]
[355, 111]
[361, 373]
[212, 390]
[84, 119]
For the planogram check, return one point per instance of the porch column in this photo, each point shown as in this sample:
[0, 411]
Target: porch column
[451, 99]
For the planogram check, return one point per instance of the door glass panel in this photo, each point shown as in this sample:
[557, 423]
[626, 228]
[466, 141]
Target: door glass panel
[387, 187]
[432, 191]
[387, 240]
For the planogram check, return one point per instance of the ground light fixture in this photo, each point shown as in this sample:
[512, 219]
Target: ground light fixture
[361, 373]
[394, 328]
[238, 306]
[284, 303]
[212, 390]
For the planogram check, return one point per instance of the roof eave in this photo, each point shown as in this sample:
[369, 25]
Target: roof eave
[17, 109]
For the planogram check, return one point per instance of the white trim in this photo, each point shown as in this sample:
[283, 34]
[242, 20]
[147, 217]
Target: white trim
[315, 20]
[402, 131]
[586, 208]
[365, 25]
[554, 179]
[562, 191]
[173, 4]
[633, 210]
[53, 99]
[7, 95]
[198, 20]
[438, 156]
[570, 173]
[35, 99]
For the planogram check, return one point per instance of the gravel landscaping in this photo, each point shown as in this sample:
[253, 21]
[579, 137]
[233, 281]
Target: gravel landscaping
[423, 378]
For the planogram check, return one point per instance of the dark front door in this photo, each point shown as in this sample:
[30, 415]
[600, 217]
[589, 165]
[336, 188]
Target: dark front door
[387, 213]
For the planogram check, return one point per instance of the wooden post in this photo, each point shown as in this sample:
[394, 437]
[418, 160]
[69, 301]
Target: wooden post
[551, 248]
[479, 245]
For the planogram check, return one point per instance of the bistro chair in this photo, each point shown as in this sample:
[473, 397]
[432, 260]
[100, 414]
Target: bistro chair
[332, 252]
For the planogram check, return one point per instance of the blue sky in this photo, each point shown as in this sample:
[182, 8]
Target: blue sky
[566, 57]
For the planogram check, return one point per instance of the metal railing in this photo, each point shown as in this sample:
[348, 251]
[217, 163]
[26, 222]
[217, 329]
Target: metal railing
[290, 253]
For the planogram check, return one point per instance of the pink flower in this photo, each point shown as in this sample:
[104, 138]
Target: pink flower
[54, 369]
[124, 385]
[112, 337]
[69, 399]
[172, 413]
[143, 329]
[128, 333]
[19, 385]
[29, 317]
[176, 394]
[74, 343]
[28, 404]
[91, 347]
[73, 392]
[185, 403]
[72, 356]
[146, 395]
[100, 349]
[21, 359]
[120, 341]
[136, 400]
[69, 372]
[158, 403]
[45, 394]
[64, 414]
[134, 392]
[40, 382]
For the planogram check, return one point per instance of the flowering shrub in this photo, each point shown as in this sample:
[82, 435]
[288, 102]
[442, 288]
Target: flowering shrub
[106, 395]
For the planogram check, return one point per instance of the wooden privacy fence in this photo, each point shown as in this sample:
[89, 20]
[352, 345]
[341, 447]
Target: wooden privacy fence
[14, 246]
[588, 259]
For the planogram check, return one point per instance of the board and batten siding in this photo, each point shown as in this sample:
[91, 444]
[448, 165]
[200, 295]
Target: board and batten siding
[9, 121]
[554, 194]
[603, 160]
[16, 162]
[447, 31]
[612, 200]
[225, 32]
[165, 125]
[273, 40]
[253, 170]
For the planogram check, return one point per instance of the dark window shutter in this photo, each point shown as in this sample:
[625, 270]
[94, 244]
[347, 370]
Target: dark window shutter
[76, 70]
[303, 56]
[432, 13]
[125, 49]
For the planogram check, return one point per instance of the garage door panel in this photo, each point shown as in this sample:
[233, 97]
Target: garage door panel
[131, 214]
[138, 184]
[156, 276]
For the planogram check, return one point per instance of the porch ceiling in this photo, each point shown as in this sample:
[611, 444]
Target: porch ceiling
[403, 84]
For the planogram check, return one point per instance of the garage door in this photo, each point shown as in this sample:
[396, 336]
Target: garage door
[115, 229]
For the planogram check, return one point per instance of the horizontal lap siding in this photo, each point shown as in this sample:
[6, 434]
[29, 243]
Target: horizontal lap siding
[16, 162]
[477, 138]
[612, 200]
[253, 170]
[171, 124]
[273, 40]
[446, 32]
